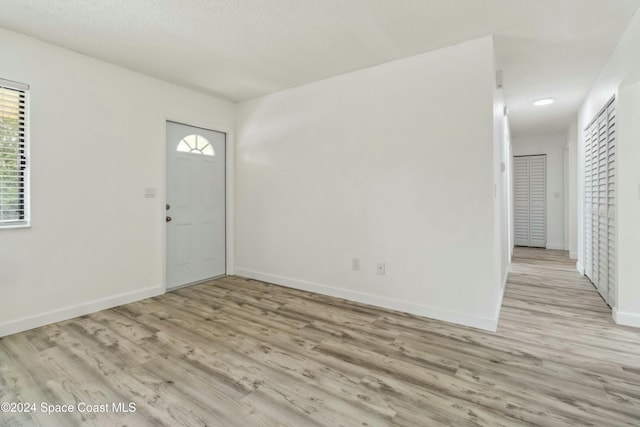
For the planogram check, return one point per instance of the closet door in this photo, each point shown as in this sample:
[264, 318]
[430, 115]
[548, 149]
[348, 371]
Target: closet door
[601, 225]
[611, 204]
[599, 209]
[593, 225]
[538, 201]
[588, 203]
[521, 200]
[530, 199]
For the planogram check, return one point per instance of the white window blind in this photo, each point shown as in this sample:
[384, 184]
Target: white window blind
[14, 203]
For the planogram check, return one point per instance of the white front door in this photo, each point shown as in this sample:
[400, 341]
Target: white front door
[195, 204]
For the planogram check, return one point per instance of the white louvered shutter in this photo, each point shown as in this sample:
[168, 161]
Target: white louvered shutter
[530, 228]
[594, 203]
[521, 200]
[611, 204]
[599, 209]
[588, 201]
[603, 232]
[538, 201]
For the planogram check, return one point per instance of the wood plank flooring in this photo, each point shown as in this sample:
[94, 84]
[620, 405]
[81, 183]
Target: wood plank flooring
[238, 352]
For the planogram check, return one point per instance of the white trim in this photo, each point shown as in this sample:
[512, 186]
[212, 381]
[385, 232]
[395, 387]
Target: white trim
[26, 323]
[230, 153]
[485, 323]
[15, 226]
[555, 246]
[627, 319]
[573, 255]
[580, 267]
[501, 298]
[10, 84]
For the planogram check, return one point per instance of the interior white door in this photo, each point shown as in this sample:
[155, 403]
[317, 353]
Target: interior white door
[590, 147]
[196, 239]
[600, 202]
[521, 200]
[611, 205]
[538, 201]
[601, 224]
[530, 200]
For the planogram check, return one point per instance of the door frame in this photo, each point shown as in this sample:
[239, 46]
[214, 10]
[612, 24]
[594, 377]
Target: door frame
[228, 190]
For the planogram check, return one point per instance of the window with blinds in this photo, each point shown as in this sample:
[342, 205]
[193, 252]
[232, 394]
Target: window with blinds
[599, 198]
[14, 203]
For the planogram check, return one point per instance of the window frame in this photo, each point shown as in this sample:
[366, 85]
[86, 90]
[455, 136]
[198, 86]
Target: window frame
[25, 172]
[196, 150]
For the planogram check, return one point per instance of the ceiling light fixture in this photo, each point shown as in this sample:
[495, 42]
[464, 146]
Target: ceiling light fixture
[543, 101]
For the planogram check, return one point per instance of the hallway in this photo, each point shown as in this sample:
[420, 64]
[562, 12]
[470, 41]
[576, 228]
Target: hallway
[556, 316]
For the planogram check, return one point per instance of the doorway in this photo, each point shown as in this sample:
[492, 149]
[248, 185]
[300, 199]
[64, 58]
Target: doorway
[195, 207]
[530, 200]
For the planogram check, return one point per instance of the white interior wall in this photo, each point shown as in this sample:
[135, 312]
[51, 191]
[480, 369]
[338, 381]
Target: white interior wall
[501, 198]
[627, 307]
[623, 68]
[565, 199]
[389, 164]
[97, 140]
[572, 175]
[553, 147]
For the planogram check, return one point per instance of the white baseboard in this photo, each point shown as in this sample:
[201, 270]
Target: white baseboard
[580, 267]
[501, 297]
[627, 319]
[555, 246]
[26, 323]
[573, 255]
[485, 323]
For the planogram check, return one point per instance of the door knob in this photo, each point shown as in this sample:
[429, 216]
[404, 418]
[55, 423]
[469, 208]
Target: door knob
[168, 218]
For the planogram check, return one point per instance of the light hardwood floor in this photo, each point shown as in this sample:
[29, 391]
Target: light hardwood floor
[237, 352]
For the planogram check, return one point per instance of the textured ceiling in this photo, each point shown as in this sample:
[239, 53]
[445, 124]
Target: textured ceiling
[240, 49]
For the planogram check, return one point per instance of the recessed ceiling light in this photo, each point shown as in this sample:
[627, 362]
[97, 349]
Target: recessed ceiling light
[543, 101]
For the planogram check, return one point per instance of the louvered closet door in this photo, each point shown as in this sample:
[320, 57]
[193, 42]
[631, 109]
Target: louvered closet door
[521, 201]
[530, 228]
[599, 209]
[538, 199]
[593, 225]
[611, 201]
[588, 201]
[602, 223]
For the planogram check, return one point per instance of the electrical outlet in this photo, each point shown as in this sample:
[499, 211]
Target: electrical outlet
[381, 268]
[355, 264]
